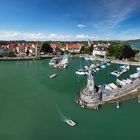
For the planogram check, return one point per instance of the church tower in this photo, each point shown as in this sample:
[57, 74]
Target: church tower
[37, 50]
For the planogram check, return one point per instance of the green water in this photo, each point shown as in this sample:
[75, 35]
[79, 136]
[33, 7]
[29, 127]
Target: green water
[29, 100]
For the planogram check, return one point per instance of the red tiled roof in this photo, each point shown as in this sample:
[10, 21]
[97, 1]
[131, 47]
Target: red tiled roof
[74, 46]
[54, 45]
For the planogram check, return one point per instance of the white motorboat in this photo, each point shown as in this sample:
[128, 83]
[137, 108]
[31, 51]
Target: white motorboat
[87, 58]
[97, 69]
[53, 75]
[118, 106]
[138, 69]
[103, 66]
[52, 62]
[70, 122]
[108, 64]
[80, 72]
[115, 73]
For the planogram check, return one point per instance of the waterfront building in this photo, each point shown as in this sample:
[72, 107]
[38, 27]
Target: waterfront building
[92, 96]
[74, 48]
[99, 50]
[54, 46]
[20, 50]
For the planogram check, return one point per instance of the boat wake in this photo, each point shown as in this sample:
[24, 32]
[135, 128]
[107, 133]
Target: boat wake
[62, 116]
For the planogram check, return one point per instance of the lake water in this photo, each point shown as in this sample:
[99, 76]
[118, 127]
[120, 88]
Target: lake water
[32, 105]
[137, 46]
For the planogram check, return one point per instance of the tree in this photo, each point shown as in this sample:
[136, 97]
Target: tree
[82, 49]
[127, 52]
[46, 48]
[12, 54]
[120, 51]
[115, 50]
[87, 50]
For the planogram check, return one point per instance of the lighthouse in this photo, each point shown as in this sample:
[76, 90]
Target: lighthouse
[89, 96]
[90, 82]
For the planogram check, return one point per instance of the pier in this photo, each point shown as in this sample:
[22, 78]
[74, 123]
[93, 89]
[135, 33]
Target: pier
[115, 61]
[93, 98]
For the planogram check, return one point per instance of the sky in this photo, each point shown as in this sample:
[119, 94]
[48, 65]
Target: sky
[69, 20]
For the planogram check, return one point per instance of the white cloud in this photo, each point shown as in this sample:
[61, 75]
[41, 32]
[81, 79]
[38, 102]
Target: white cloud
[81, 26]
[41, 36]
[85, 37]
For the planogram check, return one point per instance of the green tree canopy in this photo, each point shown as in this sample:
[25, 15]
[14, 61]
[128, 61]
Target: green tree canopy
[121, 51]
[115, 50]
[46, 48]
[127, 52]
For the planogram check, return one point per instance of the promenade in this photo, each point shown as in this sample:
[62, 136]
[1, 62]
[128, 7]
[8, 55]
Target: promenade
[117, 61]
[25, 58]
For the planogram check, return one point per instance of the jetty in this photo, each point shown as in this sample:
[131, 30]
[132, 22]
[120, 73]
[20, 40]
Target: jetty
[93, 67]
[114, 61]
[121, 70]
[94, 97]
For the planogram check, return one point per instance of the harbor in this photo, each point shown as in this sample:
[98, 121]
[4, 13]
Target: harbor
[30, 103]
[93, 96]
[69, 70]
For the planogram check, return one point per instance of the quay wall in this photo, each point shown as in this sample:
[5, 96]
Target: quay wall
[25, 58]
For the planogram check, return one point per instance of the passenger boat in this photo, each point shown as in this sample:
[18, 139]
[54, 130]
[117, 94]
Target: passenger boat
[63, 63]
[53, 75]
[70, 122]
[54, 60]
[81, 72]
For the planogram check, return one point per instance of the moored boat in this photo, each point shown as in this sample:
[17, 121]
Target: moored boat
[63, 63]
[103, 66]
[53, 75]
[54, 60]
[81, 72]
[138, 69]
[122, 69]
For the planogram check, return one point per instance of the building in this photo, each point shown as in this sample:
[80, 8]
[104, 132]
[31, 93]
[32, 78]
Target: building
[54, 46]
[6, 50]
[20, 50]
[74, 48]
[100, 50]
